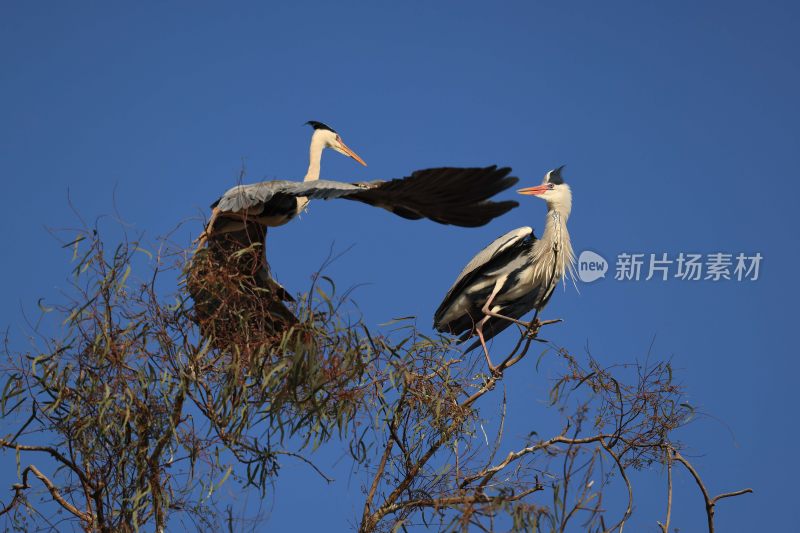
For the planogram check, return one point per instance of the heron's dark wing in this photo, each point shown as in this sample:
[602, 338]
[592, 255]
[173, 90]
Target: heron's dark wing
[245, 197]
[446, 195]
[492, 259]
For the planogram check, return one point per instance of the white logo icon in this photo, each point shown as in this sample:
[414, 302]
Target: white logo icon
[591, 266]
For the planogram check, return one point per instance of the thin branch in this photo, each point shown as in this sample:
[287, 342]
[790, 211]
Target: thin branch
[710, 502]
[54, 453]
[624, 475]
[437, 503]
[55, 494]
[730, 495]
[308, 462]
[665, 526]
[488, 473]
[366, 522]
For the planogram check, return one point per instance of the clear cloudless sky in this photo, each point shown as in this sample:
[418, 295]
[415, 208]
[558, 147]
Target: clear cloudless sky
[678, 122]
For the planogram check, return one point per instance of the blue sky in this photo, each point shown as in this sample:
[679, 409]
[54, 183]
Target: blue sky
[678, 123]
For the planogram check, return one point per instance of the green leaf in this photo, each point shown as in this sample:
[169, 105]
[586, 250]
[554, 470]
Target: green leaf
[396, 320]
[146, 252]
[213, 488]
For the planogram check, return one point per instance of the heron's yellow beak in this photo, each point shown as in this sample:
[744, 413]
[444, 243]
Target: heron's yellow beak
[347, 151]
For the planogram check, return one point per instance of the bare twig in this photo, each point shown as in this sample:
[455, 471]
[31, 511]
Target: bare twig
[55, 494]
[665, 526]
[710, 502]
[629, 509]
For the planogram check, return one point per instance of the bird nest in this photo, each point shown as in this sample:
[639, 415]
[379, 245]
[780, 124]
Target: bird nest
[260, 354]
[239, 308]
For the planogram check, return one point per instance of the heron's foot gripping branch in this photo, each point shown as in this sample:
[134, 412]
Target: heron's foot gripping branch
[532, 331]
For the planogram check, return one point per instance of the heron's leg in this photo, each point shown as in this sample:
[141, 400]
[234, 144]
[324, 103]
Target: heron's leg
[201, 240]
[479, 331]
[487, 310]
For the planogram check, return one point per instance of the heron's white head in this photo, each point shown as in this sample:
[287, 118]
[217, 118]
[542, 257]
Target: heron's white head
[326, 137]
[553, 190]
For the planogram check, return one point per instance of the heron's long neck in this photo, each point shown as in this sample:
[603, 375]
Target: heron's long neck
[552, 253]
[314, 158]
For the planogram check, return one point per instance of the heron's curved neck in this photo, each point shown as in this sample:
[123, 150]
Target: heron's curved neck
[314, 158]
[555, 230]
[553, 251]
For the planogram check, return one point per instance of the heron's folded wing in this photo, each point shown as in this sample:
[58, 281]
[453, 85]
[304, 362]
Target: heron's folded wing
[502, 250]
[495, 248]
[447, 195]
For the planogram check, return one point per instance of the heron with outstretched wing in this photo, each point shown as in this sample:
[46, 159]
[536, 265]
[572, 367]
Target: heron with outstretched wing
[448, 195]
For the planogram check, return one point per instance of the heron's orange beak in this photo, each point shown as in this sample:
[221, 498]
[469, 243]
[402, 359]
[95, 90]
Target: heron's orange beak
[535, 191]
[351, 153]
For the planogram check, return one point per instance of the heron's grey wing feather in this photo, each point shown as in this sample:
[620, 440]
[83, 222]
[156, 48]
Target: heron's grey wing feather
[445, 195]
[498, 253]
[497, 246]
[244, 197]
[323, 189]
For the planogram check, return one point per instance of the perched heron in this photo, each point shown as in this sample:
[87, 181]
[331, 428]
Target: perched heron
[514, 274]
[446, 195]
[237, 230]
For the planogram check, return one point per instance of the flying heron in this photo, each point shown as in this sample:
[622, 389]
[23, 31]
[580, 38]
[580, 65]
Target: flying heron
[514, 274]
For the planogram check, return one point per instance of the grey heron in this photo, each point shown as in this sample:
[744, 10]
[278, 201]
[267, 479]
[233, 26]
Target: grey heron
[446, 195]
[513, 275]
[237, 230]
